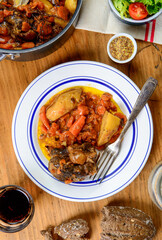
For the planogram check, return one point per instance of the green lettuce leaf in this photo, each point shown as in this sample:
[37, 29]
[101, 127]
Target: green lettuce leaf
[122, 6]
[152, 9]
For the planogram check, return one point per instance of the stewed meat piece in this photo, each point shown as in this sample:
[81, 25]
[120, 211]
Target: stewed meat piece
[73, 163]
[80, 154]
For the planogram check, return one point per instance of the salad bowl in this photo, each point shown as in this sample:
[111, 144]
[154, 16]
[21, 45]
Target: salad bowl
[130, 20]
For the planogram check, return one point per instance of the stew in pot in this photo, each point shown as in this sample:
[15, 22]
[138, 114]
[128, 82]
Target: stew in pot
[24, 26]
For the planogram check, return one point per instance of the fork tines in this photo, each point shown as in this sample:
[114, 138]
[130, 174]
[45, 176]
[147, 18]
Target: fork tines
[105, 160]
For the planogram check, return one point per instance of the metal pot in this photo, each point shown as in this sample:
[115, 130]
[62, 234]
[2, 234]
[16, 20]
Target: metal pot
[46, 48]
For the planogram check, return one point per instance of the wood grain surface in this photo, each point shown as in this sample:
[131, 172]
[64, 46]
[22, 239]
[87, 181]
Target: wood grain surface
[16, 76]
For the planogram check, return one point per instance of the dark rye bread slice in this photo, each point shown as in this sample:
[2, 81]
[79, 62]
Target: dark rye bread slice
[110, 237]
[126, 223]
[73, 230]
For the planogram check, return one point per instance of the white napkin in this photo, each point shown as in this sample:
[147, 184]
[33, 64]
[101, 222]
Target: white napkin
[96, 16]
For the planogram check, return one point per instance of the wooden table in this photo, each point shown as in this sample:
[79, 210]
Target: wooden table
[16, 76]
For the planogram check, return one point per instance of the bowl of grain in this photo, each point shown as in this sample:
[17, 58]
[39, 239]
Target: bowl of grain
[122, 48]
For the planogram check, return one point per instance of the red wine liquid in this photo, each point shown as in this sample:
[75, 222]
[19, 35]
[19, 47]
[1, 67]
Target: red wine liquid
[14, 206]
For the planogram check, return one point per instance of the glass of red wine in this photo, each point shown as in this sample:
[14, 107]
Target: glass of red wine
[16, 208]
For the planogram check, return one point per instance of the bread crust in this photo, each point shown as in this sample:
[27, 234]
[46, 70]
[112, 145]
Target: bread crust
[126, 223]
[74, 229]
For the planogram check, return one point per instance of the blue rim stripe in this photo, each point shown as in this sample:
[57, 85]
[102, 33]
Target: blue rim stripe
[37, 104]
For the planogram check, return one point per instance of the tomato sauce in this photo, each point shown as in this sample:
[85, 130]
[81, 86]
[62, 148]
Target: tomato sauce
[80, 125]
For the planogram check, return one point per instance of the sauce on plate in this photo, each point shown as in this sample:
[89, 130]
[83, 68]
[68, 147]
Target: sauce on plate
[51, 140]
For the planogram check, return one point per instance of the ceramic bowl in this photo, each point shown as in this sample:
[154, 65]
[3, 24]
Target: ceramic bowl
[120, 35]
[155, 185]
[131, 21]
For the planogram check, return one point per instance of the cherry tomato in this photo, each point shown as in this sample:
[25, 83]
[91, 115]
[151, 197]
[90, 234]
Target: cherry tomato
[137, 11]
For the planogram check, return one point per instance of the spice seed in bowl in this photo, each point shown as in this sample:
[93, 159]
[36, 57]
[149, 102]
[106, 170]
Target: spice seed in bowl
[122, 48]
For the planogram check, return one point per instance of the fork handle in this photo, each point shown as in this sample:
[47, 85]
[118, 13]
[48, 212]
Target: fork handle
[144, 95]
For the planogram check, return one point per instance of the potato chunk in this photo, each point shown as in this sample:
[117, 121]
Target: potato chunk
[64, 103]
[61, 22]
[71, 5]
[109, 126]
[47, 5]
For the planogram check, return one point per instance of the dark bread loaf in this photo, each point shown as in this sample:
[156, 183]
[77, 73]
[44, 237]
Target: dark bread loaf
[126, 223]
[73, 229]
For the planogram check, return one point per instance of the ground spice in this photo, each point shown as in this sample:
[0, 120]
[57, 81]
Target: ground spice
[121, 48]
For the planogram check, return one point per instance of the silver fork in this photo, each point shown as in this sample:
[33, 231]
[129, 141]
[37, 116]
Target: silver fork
[108, 156]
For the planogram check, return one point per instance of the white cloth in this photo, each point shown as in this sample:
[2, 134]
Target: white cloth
[96, 16]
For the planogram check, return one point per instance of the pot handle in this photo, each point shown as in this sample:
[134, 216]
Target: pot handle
[9, 55]
[2, 56]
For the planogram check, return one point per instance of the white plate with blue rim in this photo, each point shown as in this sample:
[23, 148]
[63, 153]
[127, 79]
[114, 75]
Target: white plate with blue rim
[136, 145]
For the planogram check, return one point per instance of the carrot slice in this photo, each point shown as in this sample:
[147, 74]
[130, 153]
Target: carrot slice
[43, 118]
[101, 110]
[51, 19]
[63, 13]
[25, 27]
[4, 39]
[70, 121]
[77, 126]
[3, 30]
[7, 13]
[106, 96]
[83, 110]
[68, 181]
[6, 4]
[26, 9]
[44, 28]
[54, 127]
[38, 4]
[6, 46]
[60, 12]
[44, 129]
[1, 16]
[58, 171]
[27, 45]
